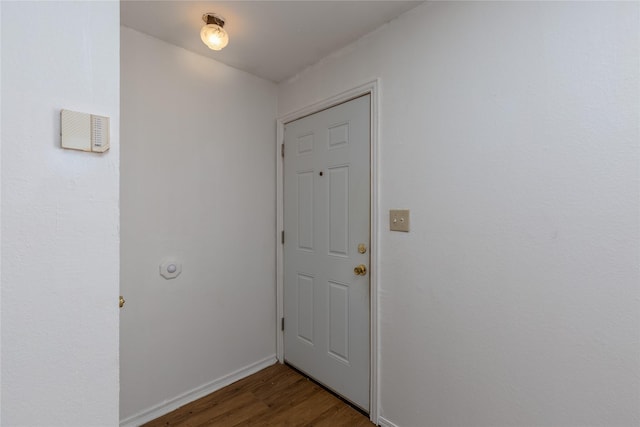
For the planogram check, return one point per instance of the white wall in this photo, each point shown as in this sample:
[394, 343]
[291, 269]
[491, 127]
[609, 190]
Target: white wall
[511, 132]
[60, 248]
[198, 182]
[1, 214]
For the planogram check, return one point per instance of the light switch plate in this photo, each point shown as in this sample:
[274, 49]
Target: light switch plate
[399, 220]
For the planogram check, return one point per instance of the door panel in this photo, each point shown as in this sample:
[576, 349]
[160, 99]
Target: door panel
[326, 216]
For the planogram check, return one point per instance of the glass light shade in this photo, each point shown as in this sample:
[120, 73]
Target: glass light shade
[214, 36]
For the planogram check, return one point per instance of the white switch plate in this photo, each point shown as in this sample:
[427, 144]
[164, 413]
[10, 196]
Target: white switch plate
[399, 220]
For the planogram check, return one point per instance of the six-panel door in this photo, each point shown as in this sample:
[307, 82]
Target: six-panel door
[326, 220]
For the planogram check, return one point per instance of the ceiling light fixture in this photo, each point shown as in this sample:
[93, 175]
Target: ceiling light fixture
[213, 33]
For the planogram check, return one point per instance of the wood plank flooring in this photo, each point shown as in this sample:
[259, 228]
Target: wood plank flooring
[275, 396]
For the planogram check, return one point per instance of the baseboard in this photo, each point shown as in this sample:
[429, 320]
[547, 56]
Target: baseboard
[198, 392]
[383, 422]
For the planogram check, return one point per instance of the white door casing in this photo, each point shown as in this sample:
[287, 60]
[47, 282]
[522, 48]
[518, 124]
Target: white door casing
[327, 190]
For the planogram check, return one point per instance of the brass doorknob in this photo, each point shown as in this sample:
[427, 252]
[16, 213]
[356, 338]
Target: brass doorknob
[122, 301]
[360, 270]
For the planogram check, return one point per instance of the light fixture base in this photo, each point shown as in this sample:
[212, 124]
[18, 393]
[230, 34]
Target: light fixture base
[213, 18]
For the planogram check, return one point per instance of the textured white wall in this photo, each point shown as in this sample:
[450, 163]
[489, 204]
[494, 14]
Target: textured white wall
[511, 132]
[1, 136]
[198, 182]
[60, 249]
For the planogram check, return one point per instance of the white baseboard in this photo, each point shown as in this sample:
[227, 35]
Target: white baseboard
[198, 392]
[383, 422]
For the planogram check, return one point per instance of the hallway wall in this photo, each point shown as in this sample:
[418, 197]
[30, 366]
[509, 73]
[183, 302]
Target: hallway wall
[510, 129]
[198, 183]
[60, 256]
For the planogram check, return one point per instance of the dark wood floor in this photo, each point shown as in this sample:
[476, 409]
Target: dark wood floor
[275, 396]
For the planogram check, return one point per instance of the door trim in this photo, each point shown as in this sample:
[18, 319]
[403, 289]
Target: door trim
[371, 88]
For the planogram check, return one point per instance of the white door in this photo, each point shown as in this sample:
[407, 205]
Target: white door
[326, 230]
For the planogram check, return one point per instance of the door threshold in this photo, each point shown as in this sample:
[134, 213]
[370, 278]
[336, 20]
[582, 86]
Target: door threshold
[316, 382]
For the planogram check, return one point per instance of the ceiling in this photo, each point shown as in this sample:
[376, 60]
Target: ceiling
[270, 39]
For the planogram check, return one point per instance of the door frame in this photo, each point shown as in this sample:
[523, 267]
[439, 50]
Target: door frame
[371, 88]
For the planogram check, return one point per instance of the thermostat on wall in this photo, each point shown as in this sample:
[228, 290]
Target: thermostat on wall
[84, 132]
